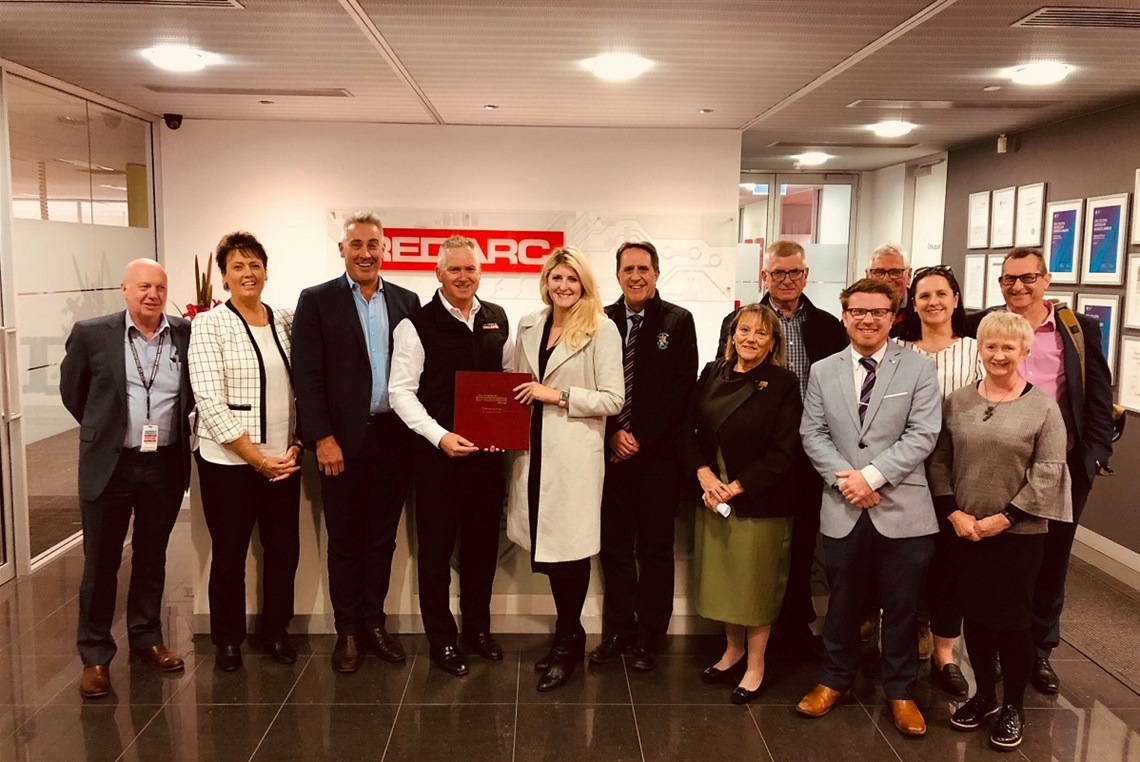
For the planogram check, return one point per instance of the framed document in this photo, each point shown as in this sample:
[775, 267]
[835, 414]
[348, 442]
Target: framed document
[1062, 239]
[1001, 213]
[974, 284]
[1106, 309]
[1064, 297]
[1105, 217]
[994, 296]
[1132, 293]
[486, 412]
[1136, 212]
[1129, 388]
[1030, 212]
[978, 235]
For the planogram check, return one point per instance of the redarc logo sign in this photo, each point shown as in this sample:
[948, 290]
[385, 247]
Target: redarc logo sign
[503, 251]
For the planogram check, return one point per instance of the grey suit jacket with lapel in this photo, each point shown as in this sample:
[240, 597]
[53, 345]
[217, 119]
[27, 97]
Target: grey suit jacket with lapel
[899, 431]
[93, 386]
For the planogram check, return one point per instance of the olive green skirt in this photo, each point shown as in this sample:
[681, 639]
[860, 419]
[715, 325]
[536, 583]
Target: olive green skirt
[740, 567]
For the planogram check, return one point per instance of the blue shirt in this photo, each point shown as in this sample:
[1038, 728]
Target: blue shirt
[373, 316]
[164, 392]
[629, 314]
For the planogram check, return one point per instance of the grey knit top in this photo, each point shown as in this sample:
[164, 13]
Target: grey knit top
[1016, 457]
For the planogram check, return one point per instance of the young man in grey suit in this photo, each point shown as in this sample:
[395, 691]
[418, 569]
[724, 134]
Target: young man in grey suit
[872, 415]
[124, 379]
[342, 350]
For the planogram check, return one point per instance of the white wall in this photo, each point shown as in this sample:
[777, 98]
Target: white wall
[881, 212]
[929, 213]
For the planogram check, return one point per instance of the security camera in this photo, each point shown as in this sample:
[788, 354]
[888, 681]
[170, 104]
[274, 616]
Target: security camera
[173, 121]
[112, 120]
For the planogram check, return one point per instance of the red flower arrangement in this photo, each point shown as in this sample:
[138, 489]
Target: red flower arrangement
[203, 293]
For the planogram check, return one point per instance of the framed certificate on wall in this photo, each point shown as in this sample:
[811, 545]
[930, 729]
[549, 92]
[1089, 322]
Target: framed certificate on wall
[978, 235]
[974, 284]
[994, 296]
[1063, 239]
[1136, 212]
[1105, 309]
[1132, 293]
[1030, 213]
[1105, 218]
[1129, 388]
[1002, 215]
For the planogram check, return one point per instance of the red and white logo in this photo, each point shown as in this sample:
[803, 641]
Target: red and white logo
[502, 251]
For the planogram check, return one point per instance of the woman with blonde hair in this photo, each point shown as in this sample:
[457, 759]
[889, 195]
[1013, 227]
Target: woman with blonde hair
[574, 354]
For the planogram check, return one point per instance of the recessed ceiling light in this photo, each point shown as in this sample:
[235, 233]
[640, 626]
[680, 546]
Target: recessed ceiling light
[704, 111]
[618, 67]
[1039, 73]
[491, 107]
[892, 128]
[181, 58]
[812, 158]
[991, 88]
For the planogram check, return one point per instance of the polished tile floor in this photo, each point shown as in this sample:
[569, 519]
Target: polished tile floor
[415, 712]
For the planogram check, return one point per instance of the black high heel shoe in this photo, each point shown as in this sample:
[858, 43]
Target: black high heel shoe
[713, 676]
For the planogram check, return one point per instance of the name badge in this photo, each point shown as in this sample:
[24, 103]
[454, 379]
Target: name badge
[149, 441]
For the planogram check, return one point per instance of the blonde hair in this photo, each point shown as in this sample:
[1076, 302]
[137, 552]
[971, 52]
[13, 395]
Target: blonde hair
[587, 313]
[768, 322]
[1006, 325]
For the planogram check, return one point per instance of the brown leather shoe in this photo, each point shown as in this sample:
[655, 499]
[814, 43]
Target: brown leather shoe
[907, 717]
[345, 657]
[96, 682]
[384, 644]
[819, 701]
[161, 658]
[925, 642]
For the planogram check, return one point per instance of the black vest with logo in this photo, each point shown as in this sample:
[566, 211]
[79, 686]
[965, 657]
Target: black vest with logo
[449, 346]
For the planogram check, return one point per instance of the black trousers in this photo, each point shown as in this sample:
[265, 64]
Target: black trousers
[456, 498]
[362, 507]
[569, 583]
[234, 498]
[896, 566]
[798, 608]
[639, 505]
[939, 600]
[1049, 593]
[149, 485]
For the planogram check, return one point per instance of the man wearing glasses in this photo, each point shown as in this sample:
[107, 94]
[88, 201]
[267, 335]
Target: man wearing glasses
[889, 263]
[872, 415]
[810, 334]
[1084, 395]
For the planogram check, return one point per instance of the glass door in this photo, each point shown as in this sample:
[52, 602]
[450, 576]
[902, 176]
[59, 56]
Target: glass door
[10, 423]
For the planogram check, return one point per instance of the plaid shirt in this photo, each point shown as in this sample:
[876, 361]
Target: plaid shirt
[796, 353]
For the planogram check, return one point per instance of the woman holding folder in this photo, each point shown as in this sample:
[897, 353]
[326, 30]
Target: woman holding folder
[574, 354]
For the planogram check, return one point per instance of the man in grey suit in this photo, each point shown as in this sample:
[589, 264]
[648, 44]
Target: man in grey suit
[872, 415]
[124, 379]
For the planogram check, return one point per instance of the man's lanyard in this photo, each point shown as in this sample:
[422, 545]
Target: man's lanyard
[153, 371]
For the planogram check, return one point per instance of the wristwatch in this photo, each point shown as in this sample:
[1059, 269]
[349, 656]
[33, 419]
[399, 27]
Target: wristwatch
[564, 398]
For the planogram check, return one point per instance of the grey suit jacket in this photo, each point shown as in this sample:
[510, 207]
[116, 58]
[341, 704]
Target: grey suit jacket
[899, 431]
[93, 386]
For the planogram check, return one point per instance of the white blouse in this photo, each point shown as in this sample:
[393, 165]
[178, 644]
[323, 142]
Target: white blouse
[958, 364]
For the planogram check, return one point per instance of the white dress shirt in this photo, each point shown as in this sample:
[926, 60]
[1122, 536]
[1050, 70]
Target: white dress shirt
[408, 364]
[874, 477]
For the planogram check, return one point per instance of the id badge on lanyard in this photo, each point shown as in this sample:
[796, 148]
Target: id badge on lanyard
[148, 442]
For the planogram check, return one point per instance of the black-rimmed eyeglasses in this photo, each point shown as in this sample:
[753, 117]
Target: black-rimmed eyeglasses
[1027, 278]
[781, 275]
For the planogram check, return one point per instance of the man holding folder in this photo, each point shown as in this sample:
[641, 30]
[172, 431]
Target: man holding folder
[459, 485]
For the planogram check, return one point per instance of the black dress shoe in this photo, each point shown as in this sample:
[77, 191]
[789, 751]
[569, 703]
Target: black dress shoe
[1008, 730]
[970, 715]
[611, 647]
[384, 644]
[449, 660]
[743, 695]
[644, 658]
[567, 653]
[280, 649]
[1044, 678]
[713, 676]
[950, 679]
[346, 656]
[484, 644]
[228, 658]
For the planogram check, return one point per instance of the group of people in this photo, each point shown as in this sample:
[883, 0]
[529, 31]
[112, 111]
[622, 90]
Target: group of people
[946, 472]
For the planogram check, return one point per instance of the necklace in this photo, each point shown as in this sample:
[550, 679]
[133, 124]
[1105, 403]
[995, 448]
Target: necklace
[989, 411]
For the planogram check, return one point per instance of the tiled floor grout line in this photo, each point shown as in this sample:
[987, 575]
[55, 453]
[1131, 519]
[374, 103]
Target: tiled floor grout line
[518, 695]
[878, 729]
[281, 708]
[763, 740]
[162, 707]
[399, 707]
[632, 708]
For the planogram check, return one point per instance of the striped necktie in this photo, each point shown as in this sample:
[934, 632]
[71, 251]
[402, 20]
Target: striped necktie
[868, 385]
[626, 415]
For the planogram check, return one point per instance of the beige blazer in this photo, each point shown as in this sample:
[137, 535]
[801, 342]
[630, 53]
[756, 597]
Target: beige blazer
[573, 442]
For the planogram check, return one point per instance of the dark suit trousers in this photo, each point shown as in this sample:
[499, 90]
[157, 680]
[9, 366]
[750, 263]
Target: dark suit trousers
[896, 565]
[234, 498]
[457, 498]
[639, 505]
[150, 486]
[798, 608]
[1049, 593]
[362, 507]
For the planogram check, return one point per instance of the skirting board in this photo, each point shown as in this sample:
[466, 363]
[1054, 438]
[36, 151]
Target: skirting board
[1112, 558]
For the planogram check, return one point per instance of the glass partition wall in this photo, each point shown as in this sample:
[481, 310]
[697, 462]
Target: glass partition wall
[815, 210]
[81, 209]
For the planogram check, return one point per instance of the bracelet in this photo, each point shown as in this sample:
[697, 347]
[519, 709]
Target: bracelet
[261, 465]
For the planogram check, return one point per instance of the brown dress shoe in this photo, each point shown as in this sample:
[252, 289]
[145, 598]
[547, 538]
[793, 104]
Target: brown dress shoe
[345, 657]
[96, 682]
[925, 642]
[819, 701]
[161, 658]
[907, 717]
[384, 644]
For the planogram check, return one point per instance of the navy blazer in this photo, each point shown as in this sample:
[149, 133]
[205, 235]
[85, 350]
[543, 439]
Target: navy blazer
[332, 377]
[93, 387]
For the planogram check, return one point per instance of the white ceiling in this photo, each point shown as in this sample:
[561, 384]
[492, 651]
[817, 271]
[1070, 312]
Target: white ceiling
[781, 71]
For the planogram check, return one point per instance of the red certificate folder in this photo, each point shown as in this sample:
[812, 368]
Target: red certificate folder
[486, 412]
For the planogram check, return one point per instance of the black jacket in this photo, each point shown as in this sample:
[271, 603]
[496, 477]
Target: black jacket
[665, 369]
[824, 335]
[332, 377]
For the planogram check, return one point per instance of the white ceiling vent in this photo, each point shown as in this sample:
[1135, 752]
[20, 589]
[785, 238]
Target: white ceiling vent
[1080, 18]
[826, 144]
[949, 105]
[257, 92]
[154, 3]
